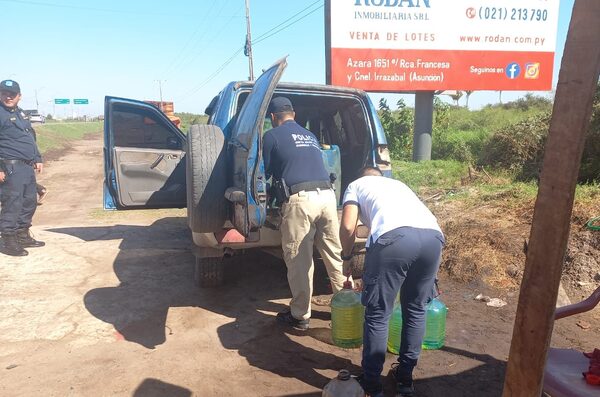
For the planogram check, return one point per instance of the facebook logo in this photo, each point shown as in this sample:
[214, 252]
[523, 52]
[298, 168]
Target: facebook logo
[513, 70]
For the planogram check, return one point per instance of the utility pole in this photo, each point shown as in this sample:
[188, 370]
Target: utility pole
[160, 92]
[248, 45]
[37, 104]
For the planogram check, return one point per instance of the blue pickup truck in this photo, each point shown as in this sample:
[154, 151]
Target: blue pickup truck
[216, 170]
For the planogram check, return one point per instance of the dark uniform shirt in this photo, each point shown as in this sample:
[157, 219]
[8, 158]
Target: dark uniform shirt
[17, 141]
[294, 154]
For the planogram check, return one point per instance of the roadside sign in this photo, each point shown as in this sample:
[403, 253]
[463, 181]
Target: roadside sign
[430, 45]
[80, 102]
[62, 101]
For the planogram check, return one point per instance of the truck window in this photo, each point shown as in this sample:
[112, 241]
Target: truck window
[140, 128]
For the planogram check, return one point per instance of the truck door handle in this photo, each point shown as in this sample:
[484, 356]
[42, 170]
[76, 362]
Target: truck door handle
[157, 161]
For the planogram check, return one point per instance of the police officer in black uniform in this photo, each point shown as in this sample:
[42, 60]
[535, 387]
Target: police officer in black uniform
[19, 159]
[292, 155]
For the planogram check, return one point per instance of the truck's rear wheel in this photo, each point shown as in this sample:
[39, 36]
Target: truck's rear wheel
[209, 272]
[206, 178]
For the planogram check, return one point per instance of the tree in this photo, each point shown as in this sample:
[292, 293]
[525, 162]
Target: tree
[468, 93]
[456, 97]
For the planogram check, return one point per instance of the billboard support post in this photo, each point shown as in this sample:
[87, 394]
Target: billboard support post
[549, 236]
[423, 125]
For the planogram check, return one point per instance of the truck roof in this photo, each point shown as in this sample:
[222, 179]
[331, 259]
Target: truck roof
[304, 87]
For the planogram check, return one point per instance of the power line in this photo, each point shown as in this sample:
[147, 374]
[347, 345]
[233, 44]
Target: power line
[77, 7]
[192, 58]
[213, 75]
[181, 52]
[261, 38]
[290, 18]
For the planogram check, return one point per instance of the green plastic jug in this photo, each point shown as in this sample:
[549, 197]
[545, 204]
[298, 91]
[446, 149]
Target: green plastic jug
[347, 317]
[435, 327]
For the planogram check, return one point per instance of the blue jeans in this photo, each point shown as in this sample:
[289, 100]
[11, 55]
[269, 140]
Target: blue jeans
[405, 259]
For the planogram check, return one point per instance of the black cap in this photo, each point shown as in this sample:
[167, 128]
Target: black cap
[10, 86]
[280, 105]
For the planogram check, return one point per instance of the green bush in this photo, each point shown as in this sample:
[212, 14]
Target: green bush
[590, 162]
[456, 135]
[398, 126]
[508, 137]
[518, 148]
[456, 145]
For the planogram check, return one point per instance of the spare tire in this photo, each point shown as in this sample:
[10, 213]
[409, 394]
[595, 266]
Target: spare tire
[206, 178]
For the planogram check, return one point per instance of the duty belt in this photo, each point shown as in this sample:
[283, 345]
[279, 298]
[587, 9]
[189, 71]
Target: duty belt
[309, 186]
[28, 162]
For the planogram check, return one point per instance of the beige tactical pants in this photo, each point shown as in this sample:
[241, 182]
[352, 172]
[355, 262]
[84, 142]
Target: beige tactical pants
[306, 218]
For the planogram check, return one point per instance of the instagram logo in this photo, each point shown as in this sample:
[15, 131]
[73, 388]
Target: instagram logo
[532, 70]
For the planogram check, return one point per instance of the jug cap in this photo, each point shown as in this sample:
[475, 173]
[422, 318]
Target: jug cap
[347, 284]
[344, 374]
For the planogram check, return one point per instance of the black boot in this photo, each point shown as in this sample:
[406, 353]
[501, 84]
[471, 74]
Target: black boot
[404, 380]
[11, 245]
[25, 239]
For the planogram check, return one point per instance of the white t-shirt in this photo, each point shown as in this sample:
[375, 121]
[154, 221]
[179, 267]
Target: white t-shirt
[386, 204]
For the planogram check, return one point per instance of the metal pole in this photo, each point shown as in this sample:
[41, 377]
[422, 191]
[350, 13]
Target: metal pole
[249, 41]
[160, 93]
[423, 125]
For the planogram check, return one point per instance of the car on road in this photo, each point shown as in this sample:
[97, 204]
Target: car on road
[34, 116]
[216, 170]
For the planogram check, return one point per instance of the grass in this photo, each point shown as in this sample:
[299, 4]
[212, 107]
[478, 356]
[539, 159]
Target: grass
[58, 135]
[434, 174]
[588, 193]
[452, 177]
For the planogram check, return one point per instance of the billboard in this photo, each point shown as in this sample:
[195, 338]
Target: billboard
[413, 45]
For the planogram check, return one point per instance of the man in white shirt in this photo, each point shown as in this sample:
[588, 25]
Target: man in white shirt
[403, 255]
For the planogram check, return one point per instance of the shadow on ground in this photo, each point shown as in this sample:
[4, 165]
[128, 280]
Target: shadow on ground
[485, 380]
[155, 270]
[154, 266]
[157, 388]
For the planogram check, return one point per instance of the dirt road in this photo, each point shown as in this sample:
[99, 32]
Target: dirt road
[108, 308]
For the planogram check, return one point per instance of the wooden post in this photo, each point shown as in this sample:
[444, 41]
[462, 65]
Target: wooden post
[551, 219]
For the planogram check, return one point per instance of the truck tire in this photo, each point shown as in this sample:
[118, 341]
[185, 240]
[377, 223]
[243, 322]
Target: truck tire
[208, 272]
[206, 178]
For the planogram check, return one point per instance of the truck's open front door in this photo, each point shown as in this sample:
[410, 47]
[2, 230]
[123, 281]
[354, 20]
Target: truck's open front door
[143, 157]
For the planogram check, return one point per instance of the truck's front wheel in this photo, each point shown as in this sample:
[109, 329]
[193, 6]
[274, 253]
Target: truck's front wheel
[208, 272]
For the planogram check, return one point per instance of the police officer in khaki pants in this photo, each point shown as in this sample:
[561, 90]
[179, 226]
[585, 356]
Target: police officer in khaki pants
[19, 159]
[292, 155]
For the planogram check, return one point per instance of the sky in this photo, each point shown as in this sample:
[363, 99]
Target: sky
[189, 50]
